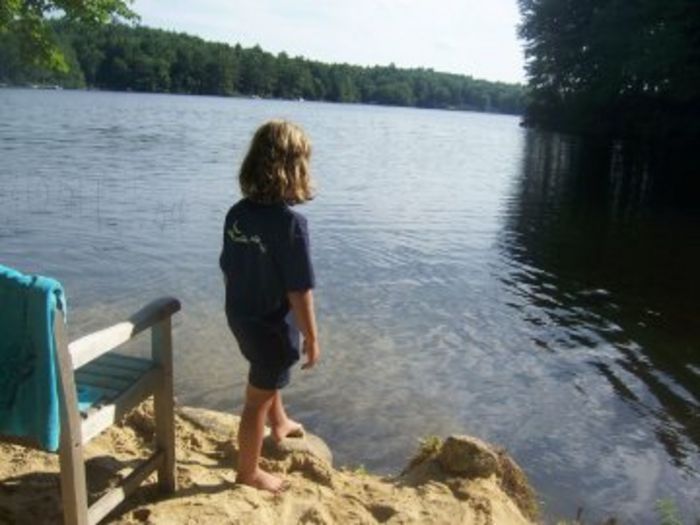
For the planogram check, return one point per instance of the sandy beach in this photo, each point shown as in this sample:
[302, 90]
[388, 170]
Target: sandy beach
[458, 480]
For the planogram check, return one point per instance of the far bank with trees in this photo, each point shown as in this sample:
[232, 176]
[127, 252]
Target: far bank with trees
[122, 57]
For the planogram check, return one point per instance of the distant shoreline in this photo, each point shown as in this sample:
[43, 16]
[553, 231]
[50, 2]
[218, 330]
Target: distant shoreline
[56, 87]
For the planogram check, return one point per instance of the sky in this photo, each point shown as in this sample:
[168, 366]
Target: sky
[471, 37]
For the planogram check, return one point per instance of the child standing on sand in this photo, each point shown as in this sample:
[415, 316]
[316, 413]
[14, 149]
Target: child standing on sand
[269, 277]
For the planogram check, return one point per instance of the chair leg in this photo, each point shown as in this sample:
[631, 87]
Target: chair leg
[73, 484]
[70, 452]
[164, 404]
[165, 438]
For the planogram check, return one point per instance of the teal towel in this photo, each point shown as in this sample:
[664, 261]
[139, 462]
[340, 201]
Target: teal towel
[29, 383]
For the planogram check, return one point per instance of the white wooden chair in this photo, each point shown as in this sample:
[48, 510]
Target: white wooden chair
[120, 383]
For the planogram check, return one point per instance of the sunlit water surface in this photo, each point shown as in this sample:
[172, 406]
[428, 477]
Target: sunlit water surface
[473, 277]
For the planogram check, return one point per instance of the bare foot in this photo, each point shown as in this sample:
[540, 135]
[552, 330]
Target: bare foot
[262, 480]
[290, 428]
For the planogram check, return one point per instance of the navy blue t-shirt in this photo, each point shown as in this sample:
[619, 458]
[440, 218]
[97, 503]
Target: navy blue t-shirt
[265, 255]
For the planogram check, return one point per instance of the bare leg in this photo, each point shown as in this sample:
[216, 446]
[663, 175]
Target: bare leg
[250, 435]
[281, 425]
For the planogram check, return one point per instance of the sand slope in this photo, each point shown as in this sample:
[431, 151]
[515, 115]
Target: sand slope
[443, 485]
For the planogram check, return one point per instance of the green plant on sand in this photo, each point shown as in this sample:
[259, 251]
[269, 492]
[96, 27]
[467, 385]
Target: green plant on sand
[428, 447]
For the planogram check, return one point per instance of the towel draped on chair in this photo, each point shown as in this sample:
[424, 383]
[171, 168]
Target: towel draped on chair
[29, 380]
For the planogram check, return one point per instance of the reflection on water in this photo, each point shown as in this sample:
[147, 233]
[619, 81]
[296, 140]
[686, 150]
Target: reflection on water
[604, 256]
[473, 277]
[614, 269]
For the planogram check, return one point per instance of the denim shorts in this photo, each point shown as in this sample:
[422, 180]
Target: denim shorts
[270, 347]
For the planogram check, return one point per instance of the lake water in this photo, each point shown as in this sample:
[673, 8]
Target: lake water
[473, 277]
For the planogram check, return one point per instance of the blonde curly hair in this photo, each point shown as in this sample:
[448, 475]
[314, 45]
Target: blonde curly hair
[276, 167]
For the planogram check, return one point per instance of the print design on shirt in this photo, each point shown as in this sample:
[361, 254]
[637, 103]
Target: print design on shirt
[237, 235]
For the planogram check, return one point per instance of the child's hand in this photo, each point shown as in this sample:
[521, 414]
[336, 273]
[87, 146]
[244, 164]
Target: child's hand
[302, 304]
[313, 353]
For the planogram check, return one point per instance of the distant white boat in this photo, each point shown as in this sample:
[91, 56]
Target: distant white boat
[44, 86]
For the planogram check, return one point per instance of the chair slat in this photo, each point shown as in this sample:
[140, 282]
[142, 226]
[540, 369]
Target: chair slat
[107, 377]
[109, 370]
[92, 397]
[113, 383]
[127, 361]
[102, 418]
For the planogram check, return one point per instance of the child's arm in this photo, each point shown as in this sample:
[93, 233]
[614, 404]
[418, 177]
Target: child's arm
[302, 304]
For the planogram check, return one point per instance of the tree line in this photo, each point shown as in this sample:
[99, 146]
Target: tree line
[613, 67]
[126, 58]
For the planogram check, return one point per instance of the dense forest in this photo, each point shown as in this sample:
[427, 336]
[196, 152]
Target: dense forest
[126, 58]
[613, 67]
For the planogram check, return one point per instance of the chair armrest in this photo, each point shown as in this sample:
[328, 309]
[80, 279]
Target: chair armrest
[93, 345]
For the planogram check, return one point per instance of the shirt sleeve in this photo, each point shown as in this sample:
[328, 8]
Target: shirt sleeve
[223, 257]
[297, 270]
